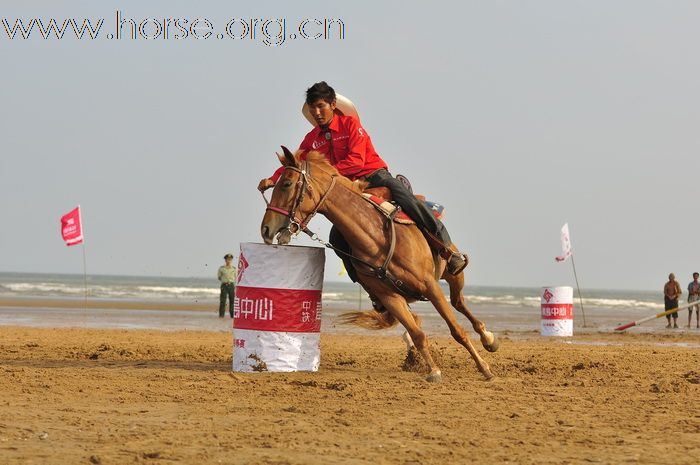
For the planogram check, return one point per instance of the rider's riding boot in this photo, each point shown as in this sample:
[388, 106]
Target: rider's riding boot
[456, 262]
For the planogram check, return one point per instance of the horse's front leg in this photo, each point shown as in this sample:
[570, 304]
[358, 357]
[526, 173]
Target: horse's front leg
[456, 283]
[434, 293]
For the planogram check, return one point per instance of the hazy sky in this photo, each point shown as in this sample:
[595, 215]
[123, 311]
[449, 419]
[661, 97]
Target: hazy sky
[517, 115]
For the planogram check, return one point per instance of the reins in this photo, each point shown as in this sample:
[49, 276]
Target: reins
[297, 225]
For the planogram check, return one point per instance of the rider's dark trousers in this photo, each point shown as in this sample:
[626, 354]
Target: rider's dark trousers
[416, 209]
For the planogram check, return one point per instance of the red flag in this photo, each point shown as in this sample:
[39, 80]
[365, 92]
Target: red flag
[71, 227]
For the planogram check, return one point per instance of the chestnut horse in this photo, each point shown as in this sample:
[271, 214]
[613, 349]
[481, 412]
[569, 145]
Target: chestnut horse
[313, 186]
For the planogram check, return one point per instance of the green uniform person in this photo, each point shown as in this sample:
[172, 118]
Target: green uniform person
[227, 277]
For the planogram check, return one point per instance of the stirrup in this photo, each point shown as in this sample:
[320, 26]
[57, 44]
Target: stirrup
[457, 263]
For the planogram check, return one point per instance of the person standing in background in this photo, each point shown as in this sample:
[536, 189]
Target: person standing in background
[672, 291]
[227, 277]
[693, 296]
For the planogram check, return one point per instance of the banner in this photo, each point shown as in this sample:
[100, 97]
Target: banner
[565, 244]
[71, 227]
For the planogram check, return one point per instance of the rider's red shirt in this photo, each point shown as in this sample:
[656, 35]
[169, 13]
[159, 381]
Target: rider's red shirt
[351, 150]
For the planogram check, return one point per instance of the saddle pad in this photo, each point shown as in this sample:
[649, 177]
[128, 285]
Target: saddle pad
[387, 208]
[401, 218]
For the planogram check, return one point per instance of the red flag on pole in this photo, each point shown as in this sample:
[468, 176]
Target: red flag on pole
[71, 227]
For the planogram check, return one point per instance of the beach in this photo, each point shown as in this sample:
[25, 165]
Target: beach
[143, 374]
[76, 395]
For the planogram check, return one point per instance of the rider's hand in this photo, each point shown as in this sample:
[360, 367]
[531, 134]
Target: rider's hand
[265, 184]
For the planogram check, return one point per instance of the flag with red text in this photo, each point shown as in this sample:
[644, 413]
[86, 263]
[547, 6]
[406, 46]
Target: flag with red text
[71, 227]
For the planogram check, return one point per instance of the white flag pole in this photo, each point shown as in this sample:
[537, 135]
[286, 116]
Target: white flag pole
[578, 288]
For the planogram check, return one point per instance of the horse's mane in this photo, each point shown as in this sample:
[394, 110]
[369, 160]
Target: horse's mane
[319, 159]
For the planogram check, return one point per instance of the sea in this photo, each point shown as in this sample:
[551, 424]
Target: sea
[502, 308]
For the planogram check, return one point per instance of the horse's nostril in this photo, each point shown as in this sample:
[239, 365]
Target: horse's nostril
[265, 231]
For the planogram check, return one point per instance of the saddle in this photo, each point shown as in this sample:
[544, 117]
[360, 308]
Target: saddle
[381, 199]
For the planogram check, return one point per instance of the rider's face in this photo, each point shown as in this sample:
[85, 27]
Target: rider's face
[322, 111]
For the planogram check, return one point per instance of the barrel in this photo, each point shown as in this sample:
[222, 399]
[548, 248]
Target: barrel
[277, 309]
[557, 310]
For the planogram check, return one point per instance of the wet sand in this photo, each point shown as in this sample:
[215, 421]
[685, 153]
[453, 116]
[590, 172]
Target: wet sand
[169, 315]
[117, 396]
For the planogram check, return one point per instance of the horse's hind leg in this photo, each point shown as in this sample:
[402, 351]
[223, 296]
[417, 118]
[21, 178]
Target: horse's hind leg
[456, 283]
[458, 333]
[399, 309]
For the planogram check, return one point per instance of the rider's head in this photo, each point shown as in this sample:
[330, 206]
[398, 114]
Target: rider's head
[321, 100]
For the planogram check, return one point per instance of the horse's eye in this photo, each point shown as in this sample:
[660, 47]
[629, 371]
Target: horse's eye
[286, 184]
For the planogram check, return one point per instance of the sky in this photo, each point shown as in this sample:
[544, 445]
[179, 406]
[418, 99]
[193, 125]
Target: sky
[518, 116]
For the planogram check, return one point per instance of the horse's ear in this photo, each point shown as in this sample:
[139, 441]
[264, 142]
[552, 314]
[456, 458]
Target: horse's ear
[289, 157]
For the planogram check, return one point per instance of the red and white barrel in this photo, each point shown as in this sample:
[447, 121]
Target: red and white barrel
[277, 309]
[557, 309]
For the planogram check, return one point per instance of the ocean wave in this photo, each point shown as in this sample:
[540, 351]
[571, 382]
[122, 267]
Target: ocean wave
[620, 303]
[531, 301]
[43, 288]
[504, 300]
[178, 290]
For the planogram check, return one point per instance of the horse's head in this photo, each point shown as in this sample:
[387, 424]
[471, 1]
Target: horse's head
[297, 196]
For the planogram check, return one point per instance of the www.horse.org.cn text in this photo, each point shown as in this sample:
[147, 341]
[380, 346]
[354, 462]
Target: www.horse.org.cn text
[271, 32]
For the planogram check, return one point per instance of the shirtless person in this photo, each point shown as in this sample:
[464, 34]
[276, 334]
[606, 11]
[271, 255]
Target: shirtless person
[672, 291]
[694, 295]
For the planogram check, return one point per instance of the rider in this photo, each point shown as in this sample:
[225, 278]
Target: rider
[353, 155]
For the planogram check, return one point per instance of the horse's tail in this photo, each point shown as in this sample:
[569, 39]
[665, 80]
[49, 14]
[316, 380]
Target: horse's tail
[372, 319]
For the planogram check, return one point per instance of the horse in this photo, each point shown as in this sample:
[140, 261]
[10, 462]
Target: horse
[311, 185]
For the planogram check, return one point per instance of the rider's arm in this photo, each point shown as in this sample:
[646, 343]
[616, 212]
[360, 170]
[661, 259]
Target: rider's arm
[354, 162]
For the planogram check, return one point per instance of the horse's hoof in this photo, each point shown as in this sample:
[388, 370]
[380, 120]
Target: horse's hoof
[434, 377]
[488, 376]
[493, 347]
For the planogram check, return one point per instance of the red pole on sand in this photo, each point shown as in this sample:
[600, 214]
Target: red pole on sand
[658, 315]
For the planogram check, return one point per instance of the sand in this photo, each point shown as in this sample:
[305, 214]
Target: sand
[114, 396]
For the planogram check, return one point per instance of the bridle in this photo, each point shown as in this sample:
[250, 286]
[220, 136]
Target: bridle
[297, 225]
